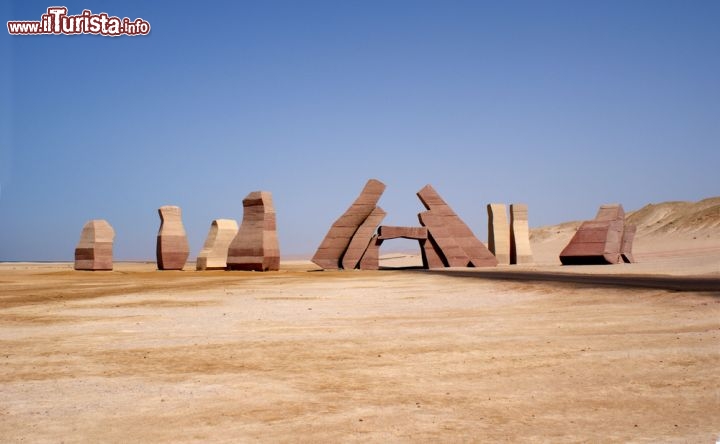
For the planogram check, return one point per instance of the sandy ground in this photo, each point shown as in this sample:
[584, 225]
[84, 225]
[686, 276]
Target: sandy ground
[138, 355]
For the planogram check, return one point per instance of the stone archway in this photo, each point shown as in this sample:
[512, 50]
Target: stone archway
[371, 258]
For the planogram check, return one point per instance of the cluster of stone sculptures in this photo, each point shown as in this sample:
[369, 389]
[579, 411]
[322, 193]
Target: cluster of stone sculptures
[254, 246]
[604, 240]
[354, 240]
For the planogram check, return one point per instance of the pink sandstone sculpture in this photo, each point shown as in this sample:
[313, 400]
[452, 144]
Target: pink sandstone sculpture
[172, 245]
[214, 254]
[329, 253]
[430, 256]
[94, 251]
[626, 249]
[256, 246]
[444, 238]
[360, 241]
[455, 242]
[498, 233]
[604, 240]
[371, 257]
[520, 251]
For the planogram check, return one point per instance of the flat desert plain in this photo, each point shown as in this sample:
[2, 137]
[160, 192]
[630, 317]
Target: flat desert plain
[301, 355]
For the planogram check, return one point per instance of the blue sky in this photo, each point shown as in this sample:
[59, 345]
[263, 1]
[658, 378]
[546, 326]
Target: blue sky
[560, 105]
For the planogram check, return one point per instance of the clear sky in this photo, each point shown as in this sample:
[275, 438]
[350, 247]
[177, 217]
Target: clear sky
[563, 105]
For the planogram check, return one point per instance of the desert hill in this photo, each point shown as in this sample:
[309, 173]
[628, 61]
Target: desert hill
[683, 217]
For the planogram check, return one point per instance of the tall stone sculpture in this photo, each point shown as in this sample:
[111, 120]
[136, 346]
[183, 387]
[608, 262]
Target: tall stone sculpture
[172, 245]
[256, 246]
[499, 233]
[94, 251]
[456, 243]
[215, 251]
[337, 240]
[520, 251]
[361, 239]
[604, 240]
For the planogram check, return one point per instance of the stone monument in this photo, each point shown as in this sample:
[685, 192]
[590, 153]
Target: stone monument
[94, 251]
[520, 251]
[604, 240]
[256, 246]
[214, 254]
[499, 233]
[454, 240]
[337, 240]
[445, 240]
[360, 241]
[172, 245]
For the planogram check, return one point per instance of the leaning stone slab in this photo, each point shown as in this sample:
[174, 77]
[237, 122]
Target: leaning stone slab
[371, 257]
[442, 236]
[256, 247]
[459, 245]
[431, 254]
[627, 243]
[520, 251]
[600, 241]
[94, 251]
[361, 239]
[337, 240]
[214, 254]
[499, 233]
[172, 248]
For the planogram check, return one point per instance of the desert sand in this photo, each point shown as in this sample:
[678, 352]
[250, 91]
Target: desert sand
[302, 355]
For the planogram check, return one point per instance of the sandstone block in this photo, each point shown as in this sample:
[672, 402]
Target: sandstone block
[213, 255]
[361, 239]
[431, 254]
[499, 233]
[520, 250]
[600, 241]
[94, 251]
[392, 232]
[255, 246]
[627, 242]
[371, 258]
[450, 234]
[337, 240]
[172, 248]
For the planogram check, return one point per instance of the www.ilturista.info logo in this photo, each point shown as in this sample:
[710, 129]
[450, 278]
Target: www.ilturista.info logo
[56, 21]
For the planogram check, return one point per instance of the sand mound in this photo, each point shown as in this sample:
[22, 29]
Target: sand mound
[684, 217]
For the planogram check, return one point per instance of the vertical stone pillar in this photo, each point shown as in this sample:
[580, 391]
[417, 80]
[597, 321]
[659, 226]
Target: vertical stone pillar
[172, 248]
[499, 233]
[520, 251]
